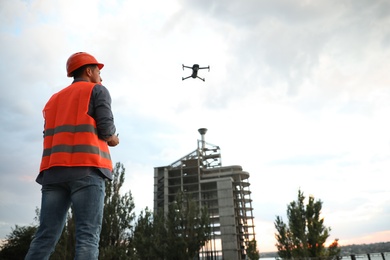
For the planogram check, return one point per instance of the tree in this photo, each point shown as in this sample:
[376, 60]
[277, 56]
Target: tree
[251, 250]
[317, 233]
[149, 236]
[187, 226]
[334, 249]
[179, 234]
[160, 234]
[305, 233]
[17, 243]
[115, 236]
[284, 245]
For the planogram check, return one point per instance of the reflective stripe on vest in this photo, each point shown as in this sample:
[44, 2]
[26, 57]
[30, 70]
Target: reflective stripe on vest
[71, 138]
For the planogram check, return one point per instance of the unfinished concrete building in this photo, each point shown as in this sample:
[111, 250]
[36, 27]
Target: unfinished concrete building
[224, 190]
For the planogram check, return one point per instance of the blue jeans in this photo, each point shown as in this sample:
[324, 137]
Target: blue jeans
[86, 196]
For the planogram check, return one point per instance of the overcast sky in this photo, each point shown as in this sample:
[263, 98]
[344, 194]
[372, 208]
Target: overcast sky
[297, 94]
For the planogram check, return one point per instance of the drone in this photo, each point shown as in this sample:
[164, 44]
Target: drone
[195, 69]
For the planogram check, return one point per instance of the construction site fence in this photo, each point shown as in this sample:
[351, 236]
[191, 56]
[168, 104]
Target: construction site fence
[370, 256]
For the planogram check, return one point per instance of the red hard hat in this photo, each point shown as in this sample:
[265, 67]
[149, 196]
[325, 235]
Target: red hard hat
[80, 59]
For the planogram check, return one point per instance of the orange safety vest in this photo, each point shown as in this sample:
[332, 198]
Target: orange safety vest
[70, 136]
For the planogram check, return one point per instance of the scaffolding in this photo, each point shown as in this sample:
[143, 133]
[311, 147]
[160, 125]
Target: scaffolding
[223, 190]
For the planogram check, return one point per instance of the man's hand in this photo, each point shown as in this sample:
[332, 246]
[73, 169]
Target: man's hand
[113, 140]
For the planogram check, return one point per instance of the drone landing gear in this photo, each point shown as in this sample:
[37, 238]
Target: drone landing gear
[192, 77]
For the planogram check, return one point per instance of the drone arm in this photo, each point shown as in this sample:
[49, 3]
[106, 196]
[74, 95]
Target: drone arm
[208, 67]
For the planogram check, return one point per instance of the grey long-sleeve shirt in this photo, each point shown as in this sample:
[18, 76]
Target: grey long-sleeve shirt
[100, 109]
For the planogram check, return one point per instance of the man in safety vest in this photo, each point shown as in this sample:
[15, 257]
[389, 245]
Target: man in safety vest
[79, 127]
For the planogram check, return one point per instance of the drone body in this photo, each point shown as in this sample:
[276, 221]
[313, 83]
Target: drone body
[195, 69]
